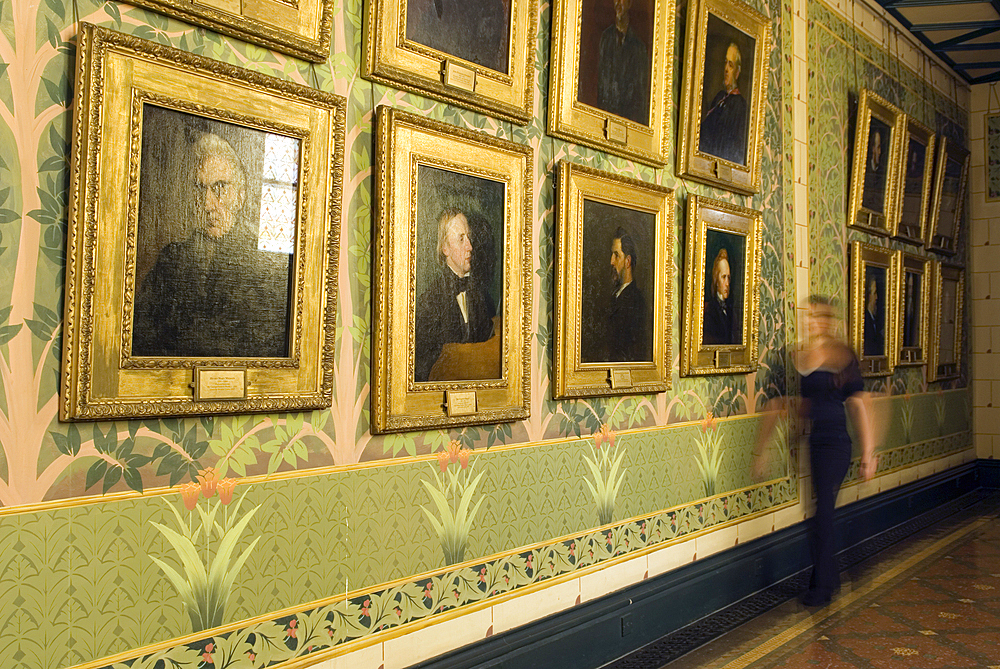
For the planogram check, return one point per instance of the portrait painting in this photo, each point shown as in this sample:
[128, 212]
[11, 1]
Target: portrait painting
[611, 76]
[452, 276]
[459, 282]
[725, 87]
[914, 303]
[616, 57]
[475, 54]
[949, 196]
[727, 90]
[877, 165]
[616, 320]
[917, 173]
[721, 301]
[201, 262]
[474, 30]
[947, 299]
[215, 243]
[912, 296]
[874, 307]
[614, 281]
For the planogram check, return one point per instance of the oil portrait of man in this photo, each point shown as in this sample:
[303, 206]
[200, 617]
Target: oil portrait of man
[873, 193]
[723, 317]
[457, 322]
[206, 285]
[725, 116]
[912, 285]
[874, 312]
[615, 57]
[475, 30]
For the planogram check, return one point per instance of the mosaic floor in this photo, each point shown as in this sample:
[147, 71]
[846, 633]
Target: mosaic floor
[930, 602]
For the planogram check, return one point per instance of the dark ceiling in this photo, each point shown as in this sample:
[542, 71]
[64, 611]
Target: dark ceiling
[965, 34]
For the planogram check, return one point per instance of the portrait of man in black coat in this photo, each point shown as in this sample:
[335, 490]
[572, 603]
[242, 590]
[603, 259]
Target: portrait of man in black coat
[874, 333]
[720, 311]
[215, 293]
[724, 128]
[628, 323]
[873, 193]
[475, 30]
[456, 306]
[623, 69]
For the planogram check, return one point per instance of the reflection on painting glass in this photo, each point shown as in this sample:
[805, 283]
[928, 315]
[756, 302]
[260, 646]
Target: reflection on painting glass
[913, 186]
[911, 309]
[217, 208]
[946, 341]
[616, 322]
[726, 91]
[724, 262]
[474, 30]
[459, 274]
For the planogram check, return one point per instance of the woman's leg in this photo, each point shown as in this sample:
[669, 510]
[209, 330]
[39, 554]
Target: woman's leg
[829, 466]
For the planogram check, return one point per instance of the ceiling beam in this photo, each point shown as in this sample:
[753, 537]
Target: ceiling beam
[895, 4]
[986, 78]
[978, 46]
[956, 25]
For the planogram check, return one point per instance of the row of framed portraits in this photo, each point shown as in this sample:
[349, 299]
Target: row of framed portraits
[906, 310]
[907, 181]
[203, 255]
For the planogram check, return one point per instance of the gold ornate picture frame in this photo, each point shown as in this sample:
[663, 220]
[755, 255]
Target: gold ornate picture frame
[300, 28]
[947, 302]
[877, 149]
[478, 55]
[951, 173]
[721, 288]
[612, 322]
[203, 236]
[452, 276]
[873, 307]
[611, 76]
[914, 307]
[915, 179]
[726, 58]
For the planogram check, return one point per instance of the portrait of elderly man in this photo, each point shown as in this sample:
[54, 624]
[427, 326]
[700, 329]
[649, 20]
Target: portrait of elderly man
[873, 194]
[724, 121]
[719, 308]
[215, 293]
[456, 306]
[629, 328]
[623, 69]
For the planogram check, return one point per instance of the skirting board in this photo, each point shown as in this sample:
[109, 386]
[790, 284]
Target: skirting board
[599, 631]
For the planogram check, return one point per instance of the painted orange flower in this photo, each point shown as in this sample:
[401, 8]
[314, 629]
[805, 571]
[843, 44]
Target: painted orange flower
[709, 422]
[443, 458]
[604, 435]
[190, 493]
[463, 457]
[209, 479]
[453, 448]
[226, 487]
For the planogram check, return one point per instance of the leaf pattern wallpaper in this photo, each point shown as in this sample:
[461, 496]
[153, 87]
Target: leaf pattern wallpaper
[123, 535]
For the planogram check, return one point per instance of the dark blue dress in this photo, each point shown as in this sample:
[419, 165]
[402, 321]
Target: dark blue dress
[830, 456]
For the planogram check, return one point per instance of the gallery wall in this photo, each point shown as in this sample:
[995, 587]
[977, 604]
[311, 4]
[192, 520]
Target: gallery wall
[330, 537]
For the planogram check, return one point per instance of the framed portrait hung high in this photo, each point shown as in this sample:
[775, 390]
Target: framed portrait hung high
[721, 290]
[611, 76]
[947, 298]
[477, 54]
[877, 149]
[204, 210]
[914, 301]
[452, 276]
[726, 60]
[873, 307]
[300, 28]
[951, 173]
[614, 285]
[916, 177]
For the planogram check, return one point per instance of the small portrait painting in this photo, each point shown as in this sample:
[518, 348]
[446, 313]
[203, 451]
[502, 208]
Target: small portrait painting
[616, 320]
[912, 287]
[459, 276]
[876, 166]
[616, 57]
[724, 262]
[913, 188]
[948, 331]
[874, 311]
[474, 30]
[947, 222]
[216, 238]
[726, 90]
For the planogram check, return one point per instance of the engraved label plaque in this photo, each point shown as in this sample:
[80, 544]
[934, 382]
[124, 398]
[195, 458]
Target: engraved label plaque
[723, 359]
[458, 76]
[220, 383]
[620, 378]
[615, 131]
[461, 403]
[723, 171]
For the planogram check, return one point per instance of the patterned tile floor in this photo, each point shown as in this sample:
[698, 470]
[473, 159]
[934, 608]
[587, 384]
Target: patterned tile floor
[930, 602]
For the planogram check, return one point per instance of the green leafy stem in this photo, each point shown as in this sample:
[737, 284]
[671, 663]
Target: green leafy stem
[604, 465]
[452, 492]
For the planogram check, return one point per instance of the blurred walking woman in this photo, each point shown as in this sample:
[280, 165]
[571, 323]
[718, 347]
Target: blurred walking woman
[830, 384]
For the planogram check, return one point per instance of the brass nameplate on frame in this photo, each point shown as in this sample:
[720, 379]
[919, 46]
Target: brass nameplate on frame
[615, 131]
[723, 358]
[458, 76]
[220, 383]
[461, 403]
[620, 378]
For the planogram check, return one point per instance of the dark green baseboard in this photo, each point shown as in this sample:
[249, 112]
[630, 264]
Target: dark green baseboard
[597, 632]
